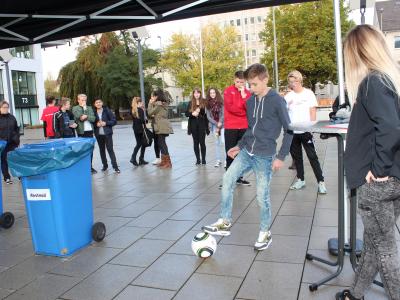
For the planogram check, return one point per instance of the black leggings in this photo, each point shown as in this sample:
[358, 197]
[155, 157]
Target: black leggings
[156, 146]
[199, 141]
[162, 143]
[139, 145]
[4, 163]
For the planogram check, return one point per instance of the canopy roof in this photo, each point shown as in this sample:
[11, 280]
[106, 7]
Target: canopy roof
[25, 22]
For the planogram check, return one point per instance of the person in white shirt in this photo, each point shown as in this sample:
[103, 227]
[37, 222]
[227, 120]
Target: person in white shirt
[302, 106]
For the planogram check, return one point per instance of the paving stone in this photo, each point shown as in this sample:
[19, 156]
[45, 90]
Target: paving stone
[133, 210]
[121, 202]
[326, 217]
[142, 253]
[123, 237]
[242, 234]
[270, 280]
[229, 260]
[172, 204]
[133, 292]
[320, 236]
[292, 225]
[293, 208]
[151, 218]
[104, 284]
[191, 213]
[218, 287]
[4, 293]
[114, 223]
[170, 230]
[170, 271]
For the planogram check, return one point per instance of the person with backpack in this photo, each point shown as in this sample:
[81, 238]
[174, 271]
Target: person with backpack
[104, 122]
[63, 120]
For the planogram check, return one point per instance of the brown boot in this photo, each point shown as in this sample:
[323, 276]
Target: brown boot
[168, 164]
[163, 161]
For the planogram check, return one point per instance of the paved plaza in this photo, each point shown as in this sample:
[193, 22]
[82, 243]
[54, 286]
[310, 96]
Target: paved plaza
[151, 216]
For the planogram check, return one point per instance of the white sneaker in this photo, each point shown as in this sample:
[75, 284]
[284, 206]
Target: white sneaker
[217, 164]
[157, 161]
[322, 188]
[263, 241]
[221, 227]
[299, 184]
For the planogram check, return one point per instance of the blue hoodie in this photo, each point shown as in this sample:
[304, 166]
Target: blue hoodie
[266, 117]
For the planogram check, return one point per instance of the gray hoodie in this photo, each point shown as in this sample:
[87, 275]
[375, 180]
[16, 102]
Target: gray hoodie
[266, 117]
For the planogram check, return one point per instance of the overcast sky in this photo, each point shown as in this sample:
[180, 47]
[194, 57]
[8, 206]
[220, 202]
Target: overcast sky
[55, 58]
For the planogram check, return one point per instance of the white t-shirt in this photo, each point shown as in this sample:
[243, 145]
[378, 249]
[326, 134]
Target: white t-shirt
[299, 105]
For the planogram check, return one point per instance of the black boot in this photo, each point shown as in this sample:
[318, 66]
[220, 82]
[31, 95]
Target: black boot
[142, 161]
[133, 162]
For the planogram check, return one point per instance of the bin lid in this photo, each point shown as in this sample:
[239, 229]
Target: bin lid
[47, 156]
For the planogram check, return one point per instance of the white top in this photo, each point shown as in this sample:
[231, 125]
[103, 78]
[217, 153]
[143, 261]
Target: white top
[299, 105]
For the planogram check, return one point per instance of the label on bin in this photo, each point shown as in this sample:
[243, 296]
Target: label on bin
[38, 194]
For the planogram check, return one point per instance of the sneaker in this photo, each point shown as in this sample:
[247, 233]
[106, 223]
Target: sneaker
[104, 169]
[157, 161]
[8, 181]
[242, 182]
[217, 164]
[117, 170]
[218, 228]
[321, 188]
[263, 241]
[93, 170]
[299, 184]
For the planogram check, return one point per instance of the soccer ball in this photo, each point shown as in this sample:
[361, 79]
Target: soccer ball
[204, 245]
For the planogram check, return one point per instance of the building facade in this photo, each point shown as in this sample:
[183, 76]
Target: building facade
[27, 84]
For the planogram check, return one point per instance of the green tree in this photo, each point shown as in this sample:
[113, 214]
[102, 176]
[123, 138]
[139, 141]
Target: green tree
[222, 56]
[305, 40]
[51, 86]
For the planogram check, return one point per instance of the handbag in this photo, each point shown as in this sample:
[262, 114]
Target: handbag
[147, 138]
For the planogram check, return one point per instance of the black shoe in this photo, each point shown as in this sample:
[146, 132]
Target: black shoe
[198, 163]
[104, 168]
[8, 181]
[220, 186]
[346, 295]
[292, 166]
[142, 162]
[203, 162]
[134, 162]
[242, 182]
[93, 171]
[117, 170]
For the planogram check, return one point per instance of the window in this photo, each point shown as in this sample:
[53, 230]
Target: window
[22, 52]
[252, 20]
[259, 19]
[24, 83]
[254, 52]
[248, 53]
[1, 86]
[245, 21]
[260, 36]
[247, 37]
[238, 22]
[232, 23]
[397, 42]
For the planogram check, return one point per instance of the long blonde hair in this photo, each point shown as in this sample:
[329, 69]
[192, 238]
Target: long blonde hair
[365, 50]
[134, 106]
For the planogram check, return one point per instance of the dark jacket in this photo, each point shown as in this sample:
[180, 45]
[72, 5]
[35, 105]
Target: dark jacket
[108, 117]
[373, 138]
[61, 124]
[9, 130]
[199, 123]
[138, 123]
[267, 117]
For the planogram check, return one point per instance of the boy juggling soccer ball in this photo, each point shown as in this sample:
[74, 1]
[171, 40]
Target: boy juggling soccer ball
[267, 115]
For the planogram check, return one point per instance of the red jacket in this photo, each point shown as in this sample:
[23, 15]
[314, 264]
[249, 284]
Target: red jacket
[235, 108]
[47, 116]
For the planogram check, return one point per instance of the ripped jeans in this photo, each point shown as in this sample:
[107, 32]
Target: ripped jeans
[379, 207]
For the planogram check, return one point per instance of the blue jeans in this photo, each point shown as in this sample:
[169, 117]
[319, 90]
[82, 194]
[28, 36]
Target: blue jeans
[262, 168]
[219, 143]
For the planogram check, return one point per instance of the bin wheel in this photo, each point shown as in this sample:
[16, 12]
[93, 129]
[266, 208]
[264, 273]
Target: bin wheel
[98, 231]
[313, 287]
[7, 220]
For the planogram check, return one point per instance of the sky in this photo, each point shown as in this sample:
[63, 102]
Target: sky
[55, 58]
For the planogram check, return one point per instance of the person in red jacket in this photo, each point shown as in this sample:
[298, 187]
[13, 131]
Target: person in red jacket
[47, 117]
[235, 119]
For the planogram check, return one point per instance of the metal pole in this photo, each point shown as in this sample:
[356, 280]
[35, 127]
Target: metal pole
[275, 52]
[339, 53]
[201, 62]
[10, 97]
[162, 72]
[141, 77]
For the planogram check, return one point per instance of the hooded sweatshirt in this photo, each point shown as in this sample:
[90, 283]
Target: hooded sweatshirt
[235, 108]
[266, 117]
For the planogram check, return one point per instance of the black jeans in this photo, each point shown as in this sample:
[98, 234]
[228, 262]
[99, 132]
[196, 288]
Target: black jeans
[162, 143]
[199, 143]
[106, 141]
[88, 134]
[156, 145]
[305, 140]
[4, 163]
[232, 137]
[139, 145]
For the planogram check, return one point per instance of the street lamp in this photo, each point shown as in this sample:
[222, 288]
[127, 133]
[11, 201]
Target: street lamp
[275, 52]
[201, 60]
[162, 72]
[5, 57]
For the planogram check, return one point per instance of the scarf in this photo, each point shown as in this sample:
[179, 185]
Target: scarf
[215, 108]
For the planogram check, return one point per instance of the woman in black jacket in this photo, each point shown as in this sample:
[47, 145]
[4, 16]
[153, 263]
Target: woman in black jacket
[9, 132]
[372, 158]
[138, 124]
[103, 124]
[198, 125]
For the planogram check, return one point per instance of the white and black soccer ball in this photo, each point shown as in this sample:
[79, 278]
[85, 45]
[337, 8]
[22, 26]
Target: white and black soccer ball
[204, 245]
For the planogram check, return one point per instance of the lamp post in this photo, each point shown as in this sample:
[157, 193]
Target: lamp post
[275, 53]
[6, 57]
[201, 62]
[162, 72]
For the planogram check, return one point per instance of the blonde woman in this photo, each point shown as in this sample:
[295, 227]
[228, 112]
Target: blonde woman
[138, 124]
[372, 158]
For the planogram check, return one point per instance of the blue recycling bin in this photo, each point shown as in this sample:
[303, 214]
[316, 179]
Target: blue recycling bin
[6, 218]
[57, 188]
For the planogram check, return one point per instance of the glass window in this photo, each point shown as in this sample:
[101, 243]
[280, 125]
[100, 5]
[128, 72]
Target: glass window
[247, 37]
[245, 21]
[259, 19]
[254, 52]
[24, 83]
[397, 42]
[260, 36]
[22, 52]
[232, 23]
[252, 20]
[238, 22]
